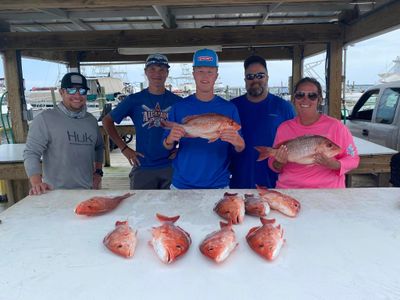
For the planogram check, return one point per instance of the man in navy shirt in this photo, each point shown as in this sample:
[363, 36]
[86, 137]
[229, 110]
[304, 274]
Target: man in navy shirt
[151, 166]
[260, 113]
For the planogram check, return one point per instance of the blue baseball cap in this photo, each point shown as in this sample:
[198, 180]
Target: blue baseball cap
[205, 58]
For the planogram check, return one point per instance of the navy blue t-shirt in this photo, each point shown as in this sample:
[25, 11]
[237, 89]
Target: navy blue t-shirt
[146, 111]
[259, 124]
[200, 164]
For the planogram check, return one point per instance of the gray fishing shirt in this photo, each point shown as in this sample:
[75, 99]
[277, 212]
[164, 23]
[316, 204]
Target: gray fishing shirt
[68, 146]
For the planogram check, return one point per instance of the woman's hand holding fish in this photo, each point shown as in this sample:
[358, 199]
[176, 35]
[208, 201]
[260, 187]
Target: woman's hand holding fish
[281, 157]
[323, 160]
[132, 156]
[232, 136]
[177, 132]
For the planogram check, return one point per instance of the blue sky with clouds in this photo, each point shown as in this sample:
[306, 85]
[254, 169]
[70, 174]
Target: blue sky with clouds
[365, 60]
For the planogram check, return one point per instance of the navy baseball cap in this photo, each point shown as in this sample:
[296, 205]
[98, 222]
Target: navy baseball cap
[157, 59]
[255, 59]
[73, 79]
[205, 58]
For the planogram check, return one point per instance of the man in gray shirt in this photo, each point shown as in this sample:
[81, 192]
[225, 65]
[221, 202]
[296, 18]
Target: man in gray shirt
[68, 140]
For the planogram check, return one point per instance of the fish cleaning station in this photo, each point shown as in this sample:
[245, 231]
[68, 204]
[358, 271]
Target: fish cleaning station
[338, 243]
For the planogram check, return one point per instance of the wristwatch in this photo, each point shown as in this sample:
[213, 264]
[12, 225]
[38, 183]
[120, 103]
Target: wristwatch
[99, 172]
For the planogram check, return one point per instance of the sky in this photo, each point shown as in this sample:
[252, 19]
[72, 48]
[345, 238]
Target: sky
[364, 61]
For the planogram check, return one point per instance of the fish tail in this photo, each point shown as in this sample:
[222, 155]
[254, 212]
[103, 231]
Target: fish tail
[167, 124]
[265, 152]
[265, 221]
[163, 218]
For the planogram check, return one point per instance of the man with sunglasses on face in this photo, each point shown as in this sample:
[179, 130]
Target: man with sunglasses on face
[261, 113]
[68, 140]
[151, 163]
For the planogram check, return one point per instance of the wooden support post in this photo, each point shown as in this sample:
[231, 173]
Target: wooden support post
[297, 66]
[16, 98]
[334, 84]
[73, 62]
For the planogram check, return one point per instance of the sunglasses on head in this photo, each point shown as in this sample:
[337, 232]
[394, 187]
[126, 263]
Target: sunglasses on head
[310, 95]
[259, 75]
[72, 91]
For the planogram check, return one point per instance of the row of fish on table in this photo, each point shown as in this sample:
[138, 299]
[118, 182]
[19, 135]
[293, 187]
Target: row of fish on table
[170, 241]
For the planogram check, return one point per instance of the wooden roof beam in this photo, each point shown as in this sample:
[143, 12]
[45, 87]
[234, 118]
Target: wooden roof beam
[384, 19]
[59, 13]
[277, 35]
[227, 55]
[28, 4]
[166, 16]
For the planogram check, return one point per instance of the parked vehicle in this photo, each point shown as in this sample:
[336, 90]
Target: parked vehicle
[376, 115]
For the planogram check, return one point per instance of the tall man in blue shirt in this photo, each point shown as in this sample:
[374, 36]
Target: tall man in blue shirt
[151, 166]
[260, 113]
[200, 164]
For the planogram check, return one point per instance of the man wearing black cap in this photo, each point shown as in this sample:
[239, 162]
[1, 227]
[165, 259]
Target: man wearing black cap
[151, 166]
[68, 141]
[260, 113]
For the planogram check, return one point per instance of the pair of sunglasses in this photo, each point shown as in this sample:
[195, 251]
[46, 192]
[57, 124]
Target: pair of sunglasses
[259, 75]
[310, 95]
[73, 91]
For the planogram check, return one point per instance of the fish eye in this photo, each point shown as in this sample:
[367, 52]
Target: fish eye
[179, 247]
[329, 145]
[261, 246]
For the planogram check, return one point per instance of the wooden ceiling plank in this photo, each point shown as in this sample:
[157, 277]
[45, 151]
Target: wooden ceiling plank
[225, 36]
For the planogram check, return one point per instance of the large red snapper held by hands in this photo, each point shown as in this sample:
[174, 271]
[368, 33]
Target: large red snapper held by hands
[169, 241]
[207, 126]
[279, 201]
[122, 240]
[218, 245]
[301, 150]
[266, 240]
[231, 208]
[99, 205]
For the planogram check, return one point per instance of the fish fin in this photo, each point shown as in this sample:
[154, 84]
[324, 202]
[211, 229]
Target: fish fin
[265, 152]
[213, 140]
[248, 195]
[163, 218]
[188, 135]
[267, 221]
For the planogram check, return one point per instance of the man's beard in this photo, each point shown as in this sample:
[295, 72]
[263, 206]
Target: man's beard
[256, 90]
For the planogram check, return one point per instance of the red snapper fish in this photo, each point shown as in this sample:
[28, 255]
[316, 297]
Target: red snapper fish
[218, 245]
[256, 206]
[280, 202]
[122, 240]
[231, 208]
[169, 241]
[99, 205]
[266, 240]
[207, 126]
[301, 150]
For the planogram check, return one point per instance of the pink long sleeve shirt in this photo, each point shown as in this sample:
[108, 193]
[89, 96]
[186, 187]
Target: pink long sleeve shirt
[294, 175]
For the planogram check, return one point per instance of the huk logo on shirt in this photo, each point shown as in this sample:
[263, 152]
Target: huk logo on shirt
[80, 138]
[153, 117]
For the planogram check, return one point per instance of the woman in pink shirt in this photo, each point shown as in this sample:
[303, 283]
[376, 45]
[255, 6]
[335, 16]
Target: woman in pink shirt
[325, 172]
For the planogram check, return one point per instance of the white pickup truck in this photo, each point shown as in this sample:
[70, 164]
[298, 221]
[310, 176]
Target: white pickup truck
[376, 115]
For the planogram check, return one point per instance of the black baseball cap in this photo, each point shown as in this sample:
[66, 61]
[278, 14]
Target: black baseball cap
[255, 59]
[73, 79]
